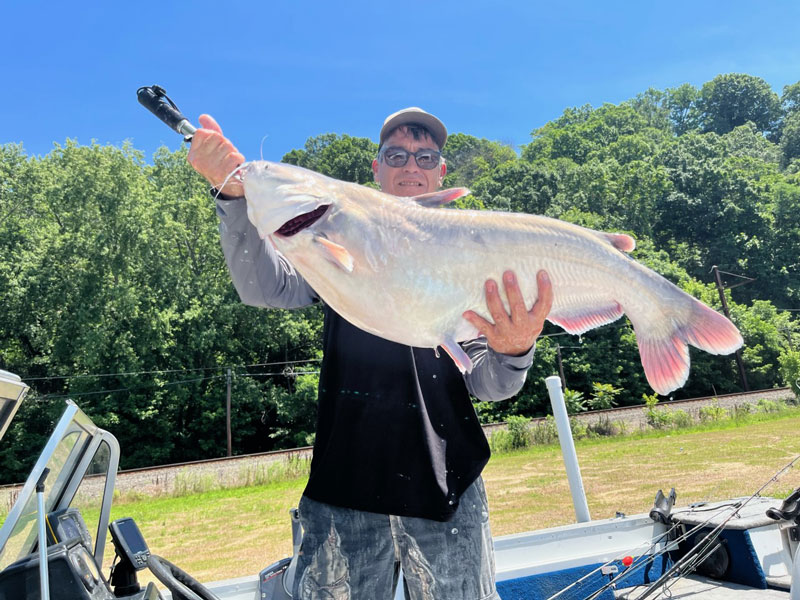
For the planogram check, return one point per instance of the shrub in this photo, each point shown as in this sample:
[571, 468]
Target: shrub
[520, 431]
[770, 406]
[579, 430]
[486, 411]
[545, 432]
[603, 396]
[742, 410]
[657, 418]
[681, 419]
[790, 369]
[574, 401]
[712, 412]
[500, 441]
[605, 427]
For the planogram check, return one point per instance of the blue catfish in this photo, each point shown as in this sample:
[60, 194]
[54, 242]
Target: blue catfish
[406, 271]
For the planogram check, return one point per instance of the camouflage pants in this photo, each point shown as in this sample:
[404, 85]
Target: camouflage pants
[355, 555]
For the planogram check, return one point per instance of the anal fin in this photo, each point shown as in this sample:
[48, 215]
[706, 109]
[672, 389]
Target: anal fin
[456, 352]
[577, 320]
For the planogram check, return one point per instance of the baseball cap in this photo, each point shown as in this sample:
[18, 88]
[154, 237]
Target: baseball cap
[414, 114]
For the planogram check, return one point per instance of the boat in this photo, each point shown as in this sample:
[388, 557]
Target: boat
[737, 549]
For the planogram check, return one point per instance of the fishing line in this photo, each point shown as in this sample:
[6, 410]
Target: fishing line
[233, 174]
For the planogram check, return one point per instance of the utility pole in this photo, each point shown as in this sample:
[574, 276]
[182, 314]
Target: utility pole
[228, 413]
[738, 354]
[561, 367]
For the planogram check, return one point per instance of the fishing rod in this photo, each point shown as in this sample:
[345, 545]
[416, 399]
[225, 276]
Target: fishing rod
[708, 540]
[645, 559]
[702, 551]
[154, 98]
[650, 558]
[620, 557]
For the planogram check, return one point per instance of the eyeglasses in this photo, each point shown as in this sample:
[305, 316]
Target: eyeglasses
[398, 157]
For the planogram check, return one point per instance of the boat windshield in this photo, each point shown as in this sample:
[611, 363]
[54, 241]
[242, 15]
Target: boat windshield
[76, 448]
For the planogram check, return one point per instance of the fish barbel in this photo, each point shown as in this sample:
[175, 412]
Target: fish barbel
[405, 271]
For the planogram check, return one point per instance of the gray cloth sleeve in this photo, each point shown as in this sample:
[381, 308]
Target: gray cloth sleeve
[261, 275]
[495, 376]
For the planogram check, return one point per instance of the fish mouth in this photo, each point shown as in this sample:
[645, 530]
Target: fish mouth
[303, 221]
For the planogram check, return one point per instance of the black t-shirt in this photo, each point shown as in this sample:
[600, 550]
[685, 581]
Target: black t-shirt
[396, 430]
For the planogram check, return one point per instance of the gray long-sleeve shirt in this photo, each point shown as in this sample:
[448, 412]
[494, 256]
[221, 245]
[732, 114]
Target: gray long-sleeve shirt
[396, 431]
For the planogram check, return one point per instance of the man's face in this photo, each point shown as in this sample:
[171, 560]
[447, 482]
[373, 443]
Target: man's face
[408, 180]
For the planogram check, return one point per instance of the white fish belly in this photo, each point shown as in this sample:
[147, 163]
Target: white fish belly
[413, 287]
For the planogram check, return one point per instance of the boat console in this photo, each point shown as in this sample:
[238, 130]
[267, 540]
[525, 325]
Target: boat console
[77, 466]
[74, 573]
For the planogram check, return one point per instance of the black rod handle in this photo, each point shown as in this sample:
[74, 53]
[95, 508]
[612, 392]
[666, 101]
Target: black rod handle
[155, 99]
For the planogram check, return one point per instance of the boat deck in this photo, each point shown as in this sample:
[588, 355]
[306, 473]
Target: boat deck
[703, 588]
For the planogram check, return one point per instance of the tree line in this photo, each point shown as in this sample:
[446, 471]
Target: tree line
[114, 292]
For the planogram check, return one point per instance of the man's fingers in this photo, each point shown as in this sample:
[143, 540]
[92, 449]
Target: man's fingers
[516, 302]
[494, 303]
[482, 325]
[208, 122]
[544, 302]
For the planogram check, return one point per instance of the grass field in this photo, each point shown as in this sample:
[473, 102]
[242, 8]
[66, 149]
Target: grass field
[230, 533]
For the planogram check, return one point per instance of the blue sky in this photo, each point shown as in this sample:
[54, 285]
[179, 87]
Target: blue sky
[290, 70]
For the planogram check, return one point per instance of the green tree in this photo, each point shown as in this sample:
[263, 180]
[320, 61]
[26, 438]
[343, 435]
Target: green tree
[790, 137]
[731, 100]
[790, 99]
[517, 186]
[470, 158]
[654, 106]
[341, 157]
[114, 267]
[682, 102]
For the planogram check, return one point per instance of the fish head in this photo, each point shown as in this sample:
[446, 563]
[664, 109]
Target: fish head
[283, 199]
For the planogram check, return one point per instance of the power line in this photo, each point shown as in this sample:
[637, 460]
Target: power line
[164, 371]
[172, 383]
[128, 389]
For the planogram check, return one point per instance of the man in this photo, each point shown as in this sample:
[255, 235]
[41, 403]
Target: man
[395, 477]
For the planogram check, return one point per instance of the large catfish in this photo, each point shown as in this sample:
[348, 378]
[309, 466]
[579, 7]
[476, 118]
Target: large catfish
[405, 271]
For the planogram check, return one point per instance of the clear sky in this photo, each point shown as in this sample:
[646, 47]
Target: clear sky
[292, 69]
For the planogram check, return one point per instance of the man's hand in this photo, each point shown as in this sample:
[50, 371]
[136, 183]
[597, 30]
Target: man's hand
[215, 157]
[514, 333]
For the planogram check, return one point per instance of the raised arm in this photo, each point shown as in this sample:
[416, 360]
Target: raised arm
[260, 274]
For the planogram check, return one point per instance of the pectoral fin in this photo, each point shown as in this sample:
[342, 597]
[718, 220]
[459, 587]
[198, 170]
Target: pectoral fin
[456, 352]
[335, 253]
[434, 199]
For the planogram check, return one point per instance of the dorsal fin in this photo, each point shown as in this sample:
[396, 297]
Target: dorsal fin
[620, 241]
[440, 197]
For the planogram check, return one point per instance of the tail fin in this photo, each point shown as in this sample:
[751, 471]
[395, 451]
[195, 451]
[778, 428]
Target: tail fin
[665, 355]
